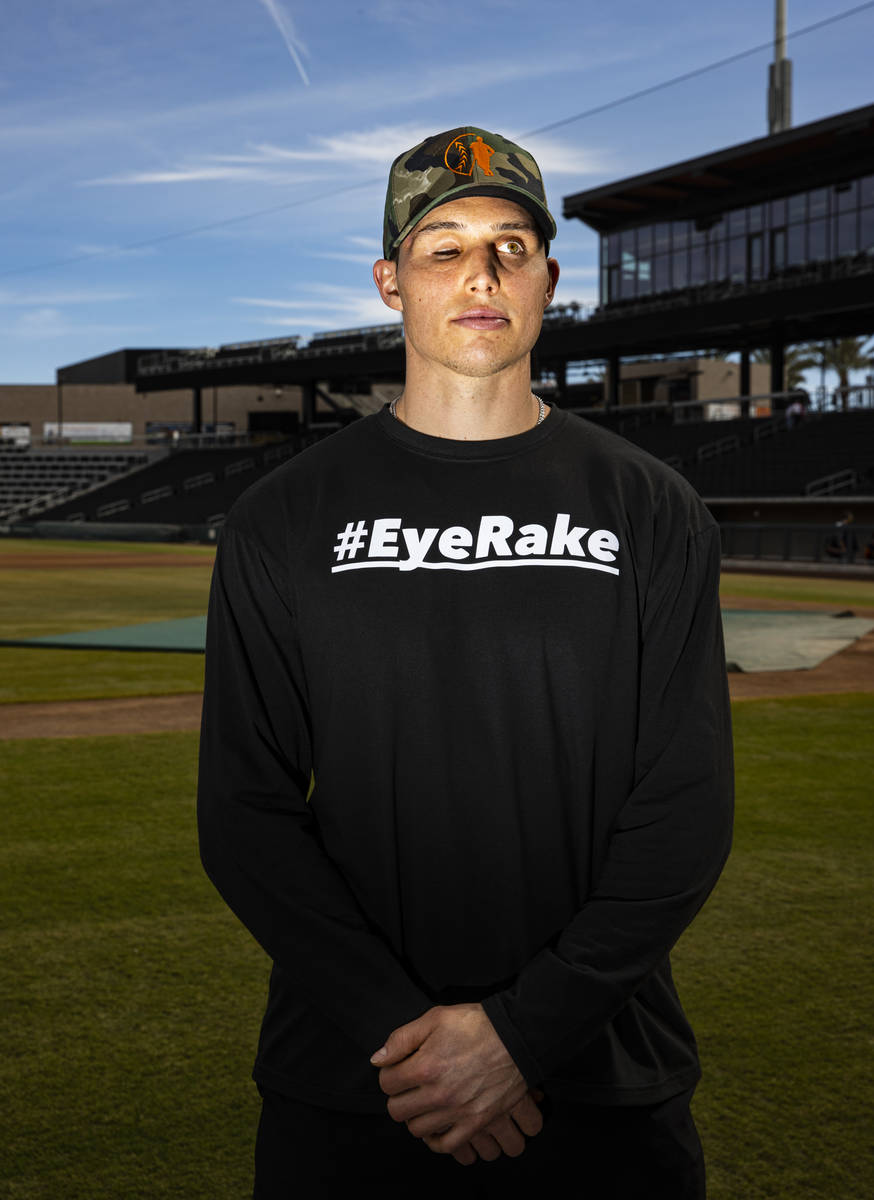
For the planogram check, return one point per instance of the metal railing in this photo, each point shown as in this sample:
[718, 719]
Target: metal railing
[797, 543]
[834, 484]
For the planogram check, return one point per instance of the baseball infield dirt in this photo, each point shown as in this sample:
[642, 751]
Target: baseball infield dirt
[851, 670]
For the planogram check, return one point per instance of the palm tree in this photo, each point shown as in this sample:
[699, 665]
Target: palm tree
[843, 355]
[796, 360]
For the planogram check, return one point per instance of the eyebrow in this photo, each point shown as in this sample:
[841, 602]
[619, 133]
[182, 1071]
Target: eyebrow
[502, 227]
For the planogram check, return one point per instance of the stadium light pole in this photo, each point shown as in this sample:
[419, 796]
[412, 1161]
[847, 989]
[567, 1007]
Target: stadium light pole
[780, 76]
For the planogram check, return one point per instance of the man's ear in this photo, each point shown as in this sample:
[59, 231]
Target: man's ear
[385, 276]
[552, 268]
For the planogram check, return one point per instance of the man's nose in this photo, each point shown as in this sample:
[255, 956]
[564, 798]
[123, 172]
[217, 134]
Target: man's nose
[482, 270]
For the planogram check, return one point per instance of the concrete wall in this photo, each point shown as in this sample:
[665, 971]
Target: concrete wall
[661, 380]
[37, 404]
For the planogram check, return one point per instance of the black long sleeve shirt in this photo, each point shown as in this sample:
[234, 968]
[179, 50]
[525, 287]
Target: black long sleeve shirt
[502, 662]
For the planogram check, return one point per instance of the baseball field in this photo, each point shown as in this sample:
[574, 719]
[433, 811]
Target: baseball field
[130, 998]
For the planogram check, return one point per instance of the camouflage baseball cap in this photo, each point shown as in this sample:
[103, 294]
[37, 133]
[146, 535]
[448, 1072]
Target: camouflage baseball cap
[461, 162]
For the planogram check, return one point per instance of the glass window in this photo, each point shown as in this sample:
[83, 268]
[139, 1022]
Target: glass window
[737, 260]
[866, 190]
[680, 234]
[644, 277]
[778, 250]
[629, 242]
[718, 270]
[680, 268]
[847, 196]
[662, 273]
[796, 249]
[818, 241]
[662, 237]
[629, 276]
[866, 230]
[644, 240]
[818, 203]
[756, 261]
[777, 215]
[612, 283]
[798, 208]
[847, 236]
[756, 217]
[613, 248]
[605, 285]
[737, 222]
[698, 266]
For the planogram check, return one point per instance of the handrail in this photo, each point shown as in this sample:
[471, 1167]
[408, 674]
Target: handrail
[828, 485]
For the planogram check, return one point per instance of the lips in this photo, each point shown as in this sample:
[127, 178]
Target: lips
[482, 318]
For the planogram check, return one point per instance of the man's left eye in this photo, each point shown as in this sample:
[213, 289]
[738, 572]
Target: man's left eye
[512, 247]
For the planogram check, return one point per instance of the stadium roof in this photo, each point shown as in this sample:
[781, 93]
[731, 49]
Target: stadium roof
[815, 155]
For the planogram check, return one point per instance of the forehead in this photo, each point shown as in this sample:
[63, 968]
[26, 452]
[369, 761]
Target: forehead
[476, 213]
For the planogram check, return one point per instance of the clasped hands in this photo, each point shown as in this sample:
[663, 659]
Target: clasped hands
[451, 1080]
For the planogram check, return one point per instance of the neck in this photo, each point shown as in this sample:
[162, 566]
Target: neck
[468, 409]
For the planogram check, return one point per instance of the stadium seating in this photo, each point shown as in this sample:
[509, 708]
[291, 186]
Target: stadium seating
[187, 487]
[36, 480]
[758, 457]
[828, 454]
[825, 454]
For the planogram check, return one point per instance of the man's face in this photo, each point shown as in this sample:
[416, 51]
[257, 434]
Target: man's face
[472, 282]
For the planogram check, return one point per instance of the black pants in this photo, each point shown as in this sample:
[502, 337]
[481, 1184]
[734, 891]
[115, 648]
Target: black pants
[647, 1152]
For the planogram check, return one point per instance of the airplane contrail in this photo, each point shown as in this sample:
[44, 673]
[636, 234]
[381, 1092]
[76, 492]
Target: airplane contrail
[285, 25]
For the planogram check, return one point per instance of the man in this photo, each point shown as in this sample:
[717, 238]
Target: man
[490, 630]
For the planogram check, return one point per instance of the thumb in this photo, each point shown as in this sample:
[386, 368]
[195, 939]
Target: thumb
[402, 1042]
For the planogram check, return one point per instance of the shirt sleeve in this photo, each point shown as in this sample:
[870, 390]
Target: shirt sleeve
[668, 843]
[259, 841]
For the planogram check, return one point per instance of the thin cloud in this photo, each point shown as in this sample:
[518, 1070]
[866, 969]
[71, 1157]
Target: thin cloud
[568, 273]
[285, 25]
[371, 148]
[206, 173]
[48, 300]
[331, 306]
[97, 248]
[48, 322]
[366, 260]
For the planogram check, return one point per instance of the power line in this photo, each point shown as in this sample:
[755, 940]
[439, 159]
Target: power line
[721, 62]
[589, 112]
[181, 233]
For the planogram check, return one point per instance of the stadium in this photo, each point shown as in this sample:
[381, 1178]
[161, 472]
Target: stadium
[728, 283]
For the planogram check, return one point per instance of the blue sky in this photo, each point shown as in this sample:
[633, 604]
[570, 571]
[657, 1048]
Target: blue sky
[125, 124]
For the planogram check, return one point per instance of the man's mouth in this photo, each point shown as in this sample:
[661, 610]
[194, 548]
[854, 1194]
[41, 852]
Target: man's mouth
[482, 318]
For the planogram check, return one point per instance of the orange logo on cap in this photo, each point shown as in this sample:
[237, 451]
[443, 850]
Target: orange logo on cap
[467, 150]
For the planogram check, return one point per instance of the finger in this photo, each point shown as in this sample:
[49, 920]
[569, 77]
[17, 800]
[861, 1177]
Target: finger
[428, 1123]
[527, 1116]
[506, 1136]
[486, 1146]
[402, 1042]
[466, 1155]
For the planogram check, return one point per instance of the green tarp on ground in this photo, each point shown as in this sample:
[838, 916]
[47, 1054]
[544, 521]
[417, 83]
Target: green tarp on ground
[754, 641]
[188, 634]
[786, 641]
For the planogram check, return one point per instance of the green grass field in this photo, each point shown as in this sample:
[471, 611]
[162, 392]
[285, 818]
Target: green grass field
[36, 602]
[130, 997]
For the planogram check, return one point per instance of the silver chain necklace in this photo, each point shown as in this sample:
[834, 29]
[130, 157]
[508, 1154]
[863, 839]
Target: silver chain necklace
[393, 408]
